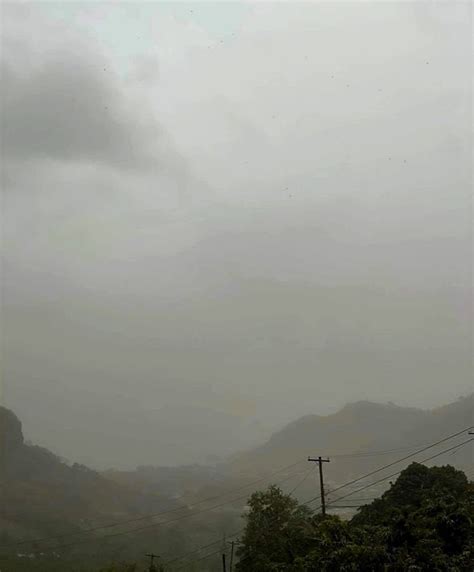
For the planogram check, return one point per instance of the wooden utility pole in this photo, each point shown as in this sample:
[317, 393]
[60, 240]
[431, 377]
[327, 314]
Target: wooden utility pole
[152, 558]
[223, 563]
[320, 462]
[232, 544]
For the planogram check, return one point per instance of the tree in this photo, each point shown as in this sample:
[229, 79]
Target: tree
[424, 522]
[429, 514]
[338, 547]
[276, 532]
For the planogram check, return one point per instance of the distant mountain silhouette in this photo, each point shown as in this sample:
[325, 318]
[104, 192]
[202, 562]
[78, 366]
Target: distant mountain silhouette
[360, 429]
[43, 494]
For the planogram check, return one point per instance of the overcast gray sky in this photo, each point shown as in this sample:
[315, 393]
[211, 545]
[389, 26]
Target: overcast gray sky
[220, 217]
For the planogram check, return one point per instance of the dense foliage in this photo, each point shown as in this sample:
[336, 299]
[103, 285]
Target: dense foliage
[424, 522]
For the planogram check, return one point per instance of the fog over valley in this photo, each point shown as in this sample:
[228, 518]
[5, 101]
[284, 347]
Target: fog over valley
[219, 218]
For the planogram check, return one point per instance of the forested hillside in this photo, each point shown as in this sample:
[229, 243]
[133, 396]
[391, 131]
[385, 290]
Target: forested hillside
[45, 498]
[54, 513]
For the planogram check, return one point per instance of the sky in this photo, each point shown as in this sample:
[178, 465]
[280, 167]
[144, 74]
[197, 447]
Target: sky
[218, 217]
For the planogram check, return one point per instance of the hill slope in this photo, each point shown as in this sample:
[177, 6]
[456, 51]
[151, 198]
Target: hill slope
[41, 494]
[351, 435]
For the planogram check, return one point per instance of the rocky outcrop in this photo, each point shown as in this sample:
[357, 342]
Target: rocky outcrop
[11, 434]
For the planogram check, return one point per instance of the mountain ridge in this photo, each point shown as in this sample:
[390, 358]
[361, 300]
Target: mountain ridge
[359, 427]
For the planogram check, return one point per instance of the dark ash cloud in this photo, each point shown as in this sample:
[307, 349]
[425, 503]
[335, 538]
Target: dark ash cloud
[72, 109]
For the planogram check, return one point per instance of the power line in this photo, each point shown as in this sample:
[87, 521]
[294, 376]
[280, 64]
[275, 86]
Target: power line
[398, 472]
[319, 460]
[301, 482]
[183, 567]
[457, 446]
[341, 498]
[156, 524]
[198, 549]
[229, 501]
[396, 462]
[361, 499]
[209, 499]
[377, 453]
[153, 515]
[184, 556]
[347, 506]
[235, 533]
[182, 517]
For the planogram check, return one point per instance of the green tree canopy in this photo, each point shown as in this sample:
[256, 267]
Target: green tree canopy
[277, 531]
[424, 522]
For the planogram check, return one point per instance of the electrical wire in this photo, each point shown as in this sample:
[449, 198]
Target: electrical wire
[239, 498]
[301, 482]
[306, 475]
[183, 567]
[459, 445]
[376, 453]
[153, 515]
[449, 437]
[156, 524]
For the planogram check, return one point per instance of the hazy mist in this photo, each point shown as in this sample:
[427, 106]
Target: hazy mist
[218, 218]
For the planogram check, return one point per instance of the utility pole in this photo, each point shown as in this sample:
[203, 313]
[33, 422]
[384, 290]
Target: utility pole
[223, 563]
[320, 462]
[232, 544]
[152, 558]
[232, 548]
